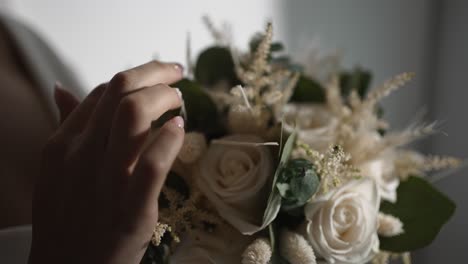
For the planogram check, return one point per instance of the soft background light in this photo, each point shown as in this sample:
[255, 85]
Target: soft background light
[429, 37]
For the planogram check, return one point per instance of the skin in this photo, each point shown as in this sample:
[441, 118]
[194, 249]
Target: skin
[26, 124]
[95, 200]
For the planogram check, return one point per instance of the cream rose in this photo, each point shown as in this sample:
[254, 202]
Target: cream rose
[235, 178]
[381, 170]
[315, 124]
[342, 224]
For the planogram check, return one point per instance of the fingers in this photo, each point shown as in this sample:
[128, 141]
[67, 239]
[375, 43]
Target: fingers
[133, 119]
[153, 166]
[123, 83]
[64, 100]
[77, 119]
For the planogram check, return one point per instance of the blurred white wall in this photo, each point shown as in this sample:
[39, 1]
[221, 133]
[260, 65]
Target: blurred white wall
[100, 38]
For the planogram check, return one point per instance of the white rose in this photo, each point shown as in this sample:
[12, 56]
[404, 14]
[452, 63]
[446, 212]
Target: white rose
[235, 178]
[224, 245]
[381, 170]
[316, 125]
[342, 224]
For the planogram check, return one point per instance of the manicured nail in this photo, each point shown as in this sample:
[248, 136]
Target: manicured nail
[179, 121]
[58, 90]
[178, 67]
[58, 84]
[179, 93]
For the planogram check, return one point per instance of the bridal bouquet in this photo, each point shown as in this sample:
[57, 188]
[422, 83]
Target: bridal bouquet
[284, 164]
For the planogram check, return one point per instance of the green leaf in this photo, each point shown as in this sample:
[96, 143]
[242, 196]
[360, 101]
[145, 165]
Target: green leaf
[274, 200]
[308, 90]
[287, 148]
[283, 189]
[297, 182]
[272, 209]
[202, 114]
[276, 46]
[275, 242]
[215, 64]
[358, 79]
[423, 211]
[272, 235]
[305, 186]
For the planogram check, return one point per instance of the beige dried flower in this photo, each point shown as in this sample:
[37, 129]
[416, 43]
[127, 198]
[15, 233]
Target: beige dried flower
[376, 95]
[158, 233]
[440, 162]
[332, 166]
[389, 225]
[295, 249]
[258, 252]
[221, 35]
[244, 120]
[357, 117]
[384, 257]
[185, 214]
[266, 88]
[193, 147]
[410, 163]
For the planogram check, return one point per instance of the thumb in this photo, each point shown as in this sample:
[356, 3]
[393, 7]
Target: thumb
[64, 100]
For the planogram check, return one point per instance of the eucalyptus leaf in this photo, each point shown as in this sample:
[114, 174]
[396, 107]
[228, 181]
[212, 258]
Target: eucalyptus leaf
[306, 186]
[272, 235]
[283, 188]
[287, 148]
[423, 211]
[274, 200]
[297, 182]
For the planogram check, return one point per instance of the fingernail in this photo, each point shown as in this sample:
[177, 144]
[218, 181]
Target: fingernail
[178, 67]
[179, 122]
[58, 85]
[179, 93]
[58, 90]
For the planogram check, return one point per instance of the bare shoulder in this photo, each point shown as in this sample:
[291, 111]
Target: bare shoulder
[25, 125]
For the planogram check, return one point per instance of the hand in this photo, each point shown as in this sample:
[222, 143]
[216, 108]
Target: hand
[96, 198]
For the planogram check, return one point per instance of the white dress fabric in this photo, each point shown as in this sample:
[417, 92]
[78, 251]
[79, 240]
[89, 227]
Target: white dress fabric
[46, 68]
[14, 245]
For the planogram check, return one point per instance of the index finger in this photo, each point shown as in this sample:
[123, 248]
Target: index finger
[125, 82]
